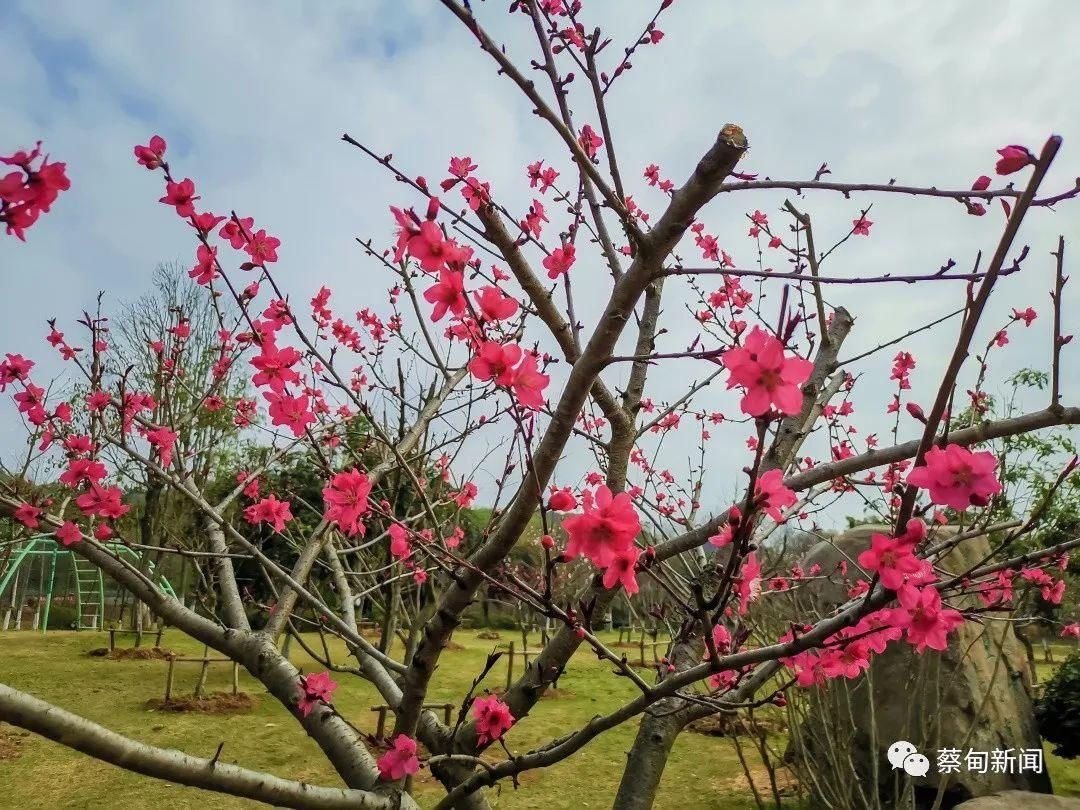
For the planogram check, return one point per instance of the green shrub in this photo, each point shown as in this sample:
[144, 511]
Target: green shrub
[1058, 711]
[62, 617]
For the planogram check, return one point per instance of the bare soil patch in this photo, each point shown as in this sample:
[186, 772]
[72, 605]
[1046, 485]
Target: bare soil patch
[11, 742]
[718, 725]
[786, 783]
[554, 693]
[132, 653]
[214, 703]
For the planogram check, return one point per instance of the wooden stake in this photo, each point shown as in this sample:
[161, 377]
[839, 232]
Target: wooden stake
[169, 679]
[510, 668]
[201, 684]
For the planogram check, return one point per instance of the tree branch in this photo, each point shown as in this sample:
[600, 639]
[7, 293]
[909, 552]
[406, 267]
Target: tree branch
[711, 170]
[876, 458]
[544, 111]
[73, 731]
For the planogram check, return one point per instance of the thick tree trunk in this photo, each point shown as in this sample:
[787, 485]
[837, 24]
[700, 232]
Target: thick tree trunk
[153, 507]
[645, 763]
[451, 774]
[390, 617]
[341, 585]
[658, 730]
[1029, 650]
[231, 605]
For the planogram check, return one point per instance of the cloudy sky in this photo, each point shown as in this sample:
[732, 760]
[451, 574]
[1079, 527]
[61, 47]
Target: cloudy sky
[254, 96]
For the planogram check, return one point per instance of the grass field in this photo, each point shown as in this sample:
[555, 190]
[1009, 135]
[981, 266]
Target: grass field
[36, 774]
[44, 775]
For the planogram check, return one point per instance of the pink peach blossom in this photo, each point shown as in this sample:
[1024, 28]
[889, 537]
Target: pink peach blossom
[493, 718]
[607, 526]
[770, 378]
[400, 760]
[956, 477]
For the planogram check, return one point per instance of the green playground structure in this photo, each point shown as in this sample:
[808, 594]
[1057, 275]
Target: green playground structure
[89, 582]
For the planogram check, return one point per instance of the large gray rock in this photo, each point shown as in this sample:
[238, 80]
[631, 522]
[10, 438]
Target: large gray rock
[1020, 799]
[968, 697]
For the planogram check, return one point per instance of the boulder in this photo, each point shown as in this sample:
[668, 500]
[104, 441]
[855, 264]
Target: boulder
[968, 697]
[1016, 799]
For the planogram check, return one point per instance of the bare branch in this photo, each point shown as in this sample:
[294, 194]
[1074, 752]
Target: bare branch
[73, 731]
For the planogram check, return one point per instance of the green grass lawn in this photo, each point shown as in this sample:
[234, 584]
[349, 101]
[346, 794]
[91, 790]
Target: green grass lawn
[703, 772]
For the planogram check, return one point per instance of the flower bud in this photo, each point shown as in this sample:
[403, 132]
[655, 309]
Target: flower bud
[1013, 159]
[916, 411]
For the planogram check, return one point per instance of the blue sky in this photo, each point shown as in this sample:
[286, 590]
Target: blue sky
[253, 97]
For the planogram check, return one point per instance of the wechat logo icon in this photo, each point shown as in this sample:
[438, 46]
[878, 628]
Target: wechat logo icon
[904, 755]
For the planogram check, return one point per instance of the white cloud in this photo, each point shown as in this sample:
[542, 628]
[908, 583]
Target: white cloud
[254, 96]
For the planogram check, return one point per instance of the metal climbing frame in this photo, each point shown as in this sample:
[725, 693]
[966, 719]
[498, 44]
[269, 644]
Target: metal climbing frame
[88, 579]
